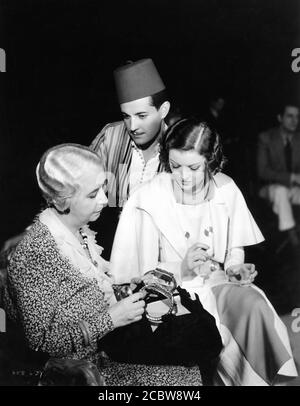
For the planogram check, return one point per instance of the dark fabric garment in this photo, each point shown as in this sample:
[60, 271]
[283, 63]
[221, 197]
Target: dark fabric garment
[271, 162]
[288, 155]
[189, 339]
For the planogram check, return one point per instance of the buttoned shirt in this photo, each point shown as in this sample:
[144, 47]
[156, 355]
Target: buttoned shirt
[115, 148]
[140, 170]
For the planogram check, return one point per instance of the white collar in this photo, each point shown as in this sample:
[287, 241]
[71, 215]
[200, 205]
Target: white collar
[161, 186]
[57, 227]
[139, 150]
[71, 248]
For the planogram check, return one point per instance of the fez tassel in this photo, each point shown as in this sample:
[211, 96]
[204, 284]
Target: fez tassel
[107, 395]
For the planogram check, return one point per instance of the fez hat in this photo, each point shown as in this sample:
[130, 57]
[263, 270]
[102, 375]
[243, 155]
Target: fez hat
[137, 80]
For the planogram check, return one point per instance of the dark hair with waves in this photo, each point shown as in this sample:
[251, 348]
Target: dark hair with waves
[193, 134]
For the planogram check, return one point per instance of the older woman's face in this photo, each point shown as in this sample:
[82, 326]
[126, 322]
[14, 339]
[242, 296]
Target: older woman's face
[89, 200]
[188, 170]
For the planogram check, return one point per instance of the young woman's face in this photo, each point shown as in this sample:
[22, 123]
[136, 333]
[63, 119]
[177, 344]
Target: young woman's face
[89, 200]
[188, 170]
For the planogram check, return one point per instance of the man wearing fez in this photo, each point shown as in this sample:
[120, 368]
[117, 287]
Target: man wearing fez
[129, 148]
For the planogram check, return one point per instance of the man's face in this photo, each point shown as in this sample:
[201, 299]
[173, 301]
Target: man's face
[289, 119]
[143, 121]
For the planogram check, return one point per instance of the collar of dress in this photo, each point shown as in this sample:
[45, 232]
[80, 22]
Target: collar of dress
[157, 199]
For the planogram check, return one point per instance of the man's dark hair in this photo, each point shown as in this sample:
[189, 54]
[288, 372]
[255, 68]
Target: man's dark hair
[157, 99]
[285, 105]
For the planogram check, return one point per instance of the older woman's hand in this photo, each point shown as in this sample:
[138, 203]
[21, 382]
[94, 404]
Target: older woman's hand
[242, 273]
[128, 310]
[196, 255]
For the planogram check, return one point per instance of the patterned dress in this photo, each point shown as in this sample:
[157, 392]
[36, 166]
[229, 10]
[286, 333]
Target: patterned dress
[50, 298]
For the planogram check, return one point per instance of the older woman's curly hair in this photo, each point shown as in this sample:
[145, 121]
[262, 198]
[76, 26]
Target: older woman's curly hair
[193, 134]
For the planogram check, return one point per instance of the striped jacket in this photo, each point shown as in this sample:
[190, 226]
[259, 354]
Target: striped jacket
[113, 145]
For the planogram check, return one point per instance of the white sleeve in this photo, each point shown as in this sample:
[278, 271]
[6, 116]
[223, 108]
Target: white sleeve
[136, 247]
[243, 230]
[234, 256]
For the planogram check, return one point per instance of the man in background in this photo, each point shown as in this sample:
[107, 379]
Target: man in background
[278, 165]
[129, 148]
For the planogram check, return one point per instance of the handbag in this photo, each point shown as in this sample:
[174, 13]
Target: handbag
[186, 339]
[70, 372]
[160, 286]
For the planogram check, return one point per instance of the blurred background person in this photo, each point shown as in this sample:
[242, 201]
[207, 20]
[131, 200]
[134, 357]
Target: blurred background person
[225, 124]
[278, 167]
[215, 112]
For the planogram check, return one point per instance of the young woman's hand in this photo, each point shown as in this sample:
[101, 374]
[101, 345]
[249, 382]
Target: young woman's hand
[242, 273]
[128, 310]
[196, 255]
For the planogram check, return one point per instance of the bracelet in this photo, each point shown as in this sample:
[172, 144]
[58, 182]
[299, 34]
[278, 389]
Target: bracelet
[156, 288]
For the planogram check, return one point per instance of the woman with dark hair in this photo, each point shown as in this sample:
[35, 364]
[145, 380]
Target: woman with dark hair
[193, 221]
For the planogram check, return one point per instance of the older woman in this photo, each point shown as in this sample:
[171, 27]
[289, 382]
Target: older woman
[59, 286]
[193, 221]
